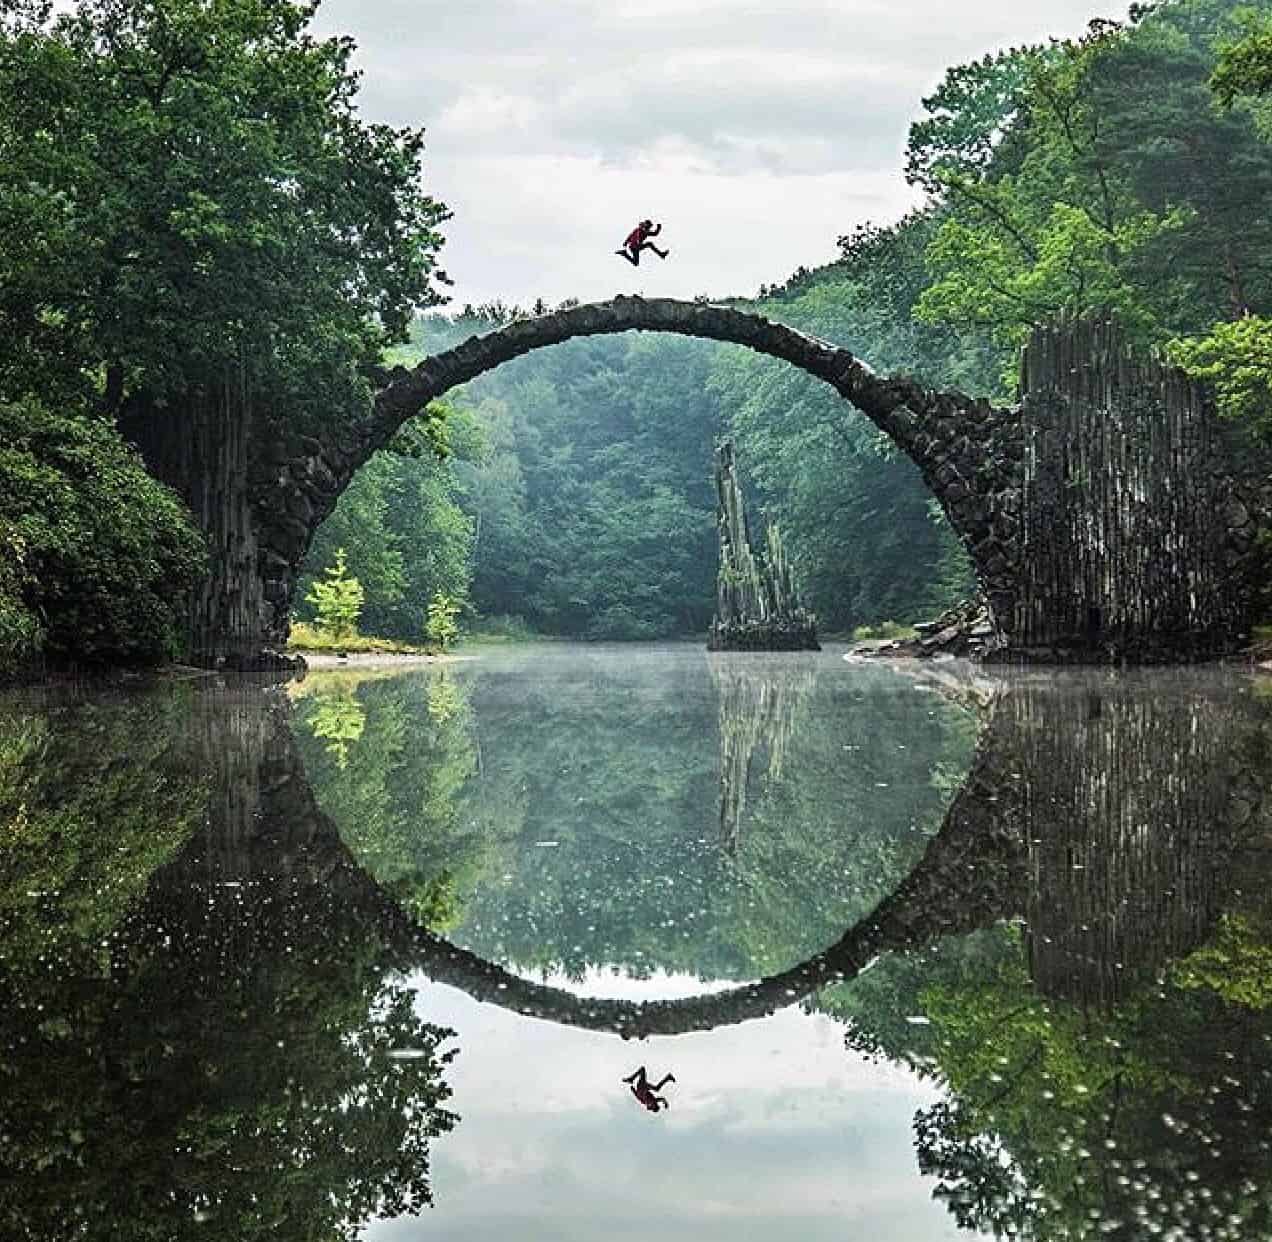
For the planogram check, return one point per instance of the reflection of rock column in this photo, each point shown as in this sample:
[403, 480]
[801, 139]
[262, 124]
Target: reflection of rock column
[757, 709]
[1129, 812]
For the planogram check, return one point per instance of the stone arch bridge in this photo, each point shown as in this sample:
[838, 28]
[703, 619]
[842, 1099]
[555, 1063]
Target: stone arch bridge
[1101, 513]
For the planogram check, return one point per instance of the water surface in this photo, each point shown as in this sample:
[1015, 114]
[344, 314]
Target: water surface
[930, 955]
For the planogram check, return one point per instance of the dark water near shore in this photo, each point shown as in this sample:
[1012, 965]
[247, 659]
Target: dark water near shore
[930, 955]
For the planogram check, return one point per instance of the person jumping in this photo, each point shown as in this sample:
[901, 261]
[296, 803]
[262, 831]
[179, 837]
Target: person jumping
[645, 1093]
[638, 240]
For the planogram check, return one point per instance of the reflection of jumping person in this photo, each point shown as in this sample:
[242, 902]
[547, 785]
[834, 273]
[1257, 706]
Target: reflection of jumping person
[645, 1093]
[638, 240]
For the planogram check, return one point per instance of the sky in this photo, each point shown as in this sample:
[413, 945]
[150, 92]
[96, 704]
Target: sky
[774, 1130]
[757, 131]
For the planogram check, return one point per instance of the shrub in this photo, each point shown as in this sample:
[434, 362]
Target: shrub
[441, 626]
[96, 557]
[338, 600]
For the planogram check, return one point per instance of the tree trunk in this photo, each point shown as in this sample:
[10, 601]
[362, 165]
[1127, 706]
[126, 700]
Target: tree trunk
[202, 452]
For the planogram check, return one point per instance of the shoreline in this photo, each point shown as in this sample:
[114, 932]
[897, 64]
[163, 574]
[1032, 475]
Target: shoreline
[323, 660]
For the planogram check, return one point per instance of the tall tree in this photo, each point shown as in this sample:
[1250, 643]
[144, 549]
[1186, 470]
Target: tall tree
[1096, 172]
[199, 232]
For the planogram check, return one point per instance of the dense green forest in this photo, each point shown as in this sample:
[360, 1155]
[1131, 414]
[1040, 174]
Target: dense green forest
[252, 250]
[1128, 169]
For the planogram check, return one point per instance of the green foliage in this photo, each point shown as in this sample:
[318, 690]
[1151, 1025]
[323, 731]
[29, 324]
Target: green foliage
[406, 537]
[21, 634]
[1236, 358]
[442, 627]
[1097, 173]
[589, 493]
[338, 600]
[1244, 66]
[1236, 964]
[102, 555]
[208, 207]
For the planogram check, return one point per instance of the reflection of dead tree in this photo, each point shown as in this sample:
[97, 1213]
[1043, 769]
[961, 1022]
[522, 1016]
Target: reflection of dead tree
[757, 713]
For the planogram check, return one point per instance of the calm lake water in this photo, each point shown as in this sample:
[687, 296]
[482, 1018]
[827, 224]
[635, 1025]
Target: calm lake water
[930, 953]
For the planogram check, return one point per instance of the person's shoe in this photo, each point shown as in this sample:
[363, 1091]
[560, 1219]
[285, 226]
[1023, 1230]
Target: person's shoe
[671, 1078]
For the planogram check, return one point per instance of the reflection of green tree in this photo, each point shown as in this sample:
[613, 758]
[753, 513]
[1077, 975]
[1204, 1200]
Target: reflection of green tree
[394, 789]
[1068, 1125]
[338, 719]
[1236, 964]
[93, 797]
[1068, 1122]
[187, 1056]
[262, 1100]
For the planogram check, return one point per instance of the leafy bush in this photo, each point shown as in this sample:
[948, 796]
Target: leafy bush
[1237, 359]
[441, 626]
[21, 634]
[96, 557]
[338, 600]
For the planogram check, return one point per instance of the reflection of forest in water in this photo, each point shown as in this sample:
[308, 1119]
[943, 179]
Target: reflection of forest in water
[593, 811]
[199, 1036]
[200, 987]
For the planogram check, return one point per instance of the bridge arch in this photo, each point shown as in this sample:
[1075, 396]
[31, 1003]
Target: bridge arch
[967, 451]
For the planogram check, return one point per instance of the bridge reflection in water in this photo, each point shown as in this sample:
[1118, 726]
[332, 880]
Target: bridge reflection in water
[244, 976]
[1102, 812]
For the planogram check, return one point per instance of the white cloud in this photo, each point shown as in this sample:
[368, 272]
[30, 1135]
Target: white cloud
[774, 1130]
[758, 130]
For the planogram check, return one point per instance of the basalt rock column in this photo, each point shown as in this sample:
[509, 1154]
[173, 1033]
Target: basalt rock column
[756, 606]
[1127, 511]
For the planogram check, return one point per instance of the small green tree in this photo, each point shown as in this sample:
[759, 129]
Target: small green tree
[338, 601]
[441, 626]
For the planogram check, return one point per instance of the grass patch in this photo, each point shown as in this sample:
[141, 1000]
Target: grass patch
[885, 629]
[306, 637]
[504, 628]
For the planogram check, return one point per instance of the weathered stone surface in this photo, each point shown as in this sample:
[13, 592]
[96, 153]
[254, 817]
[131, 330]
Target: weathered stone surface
[973, 456]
